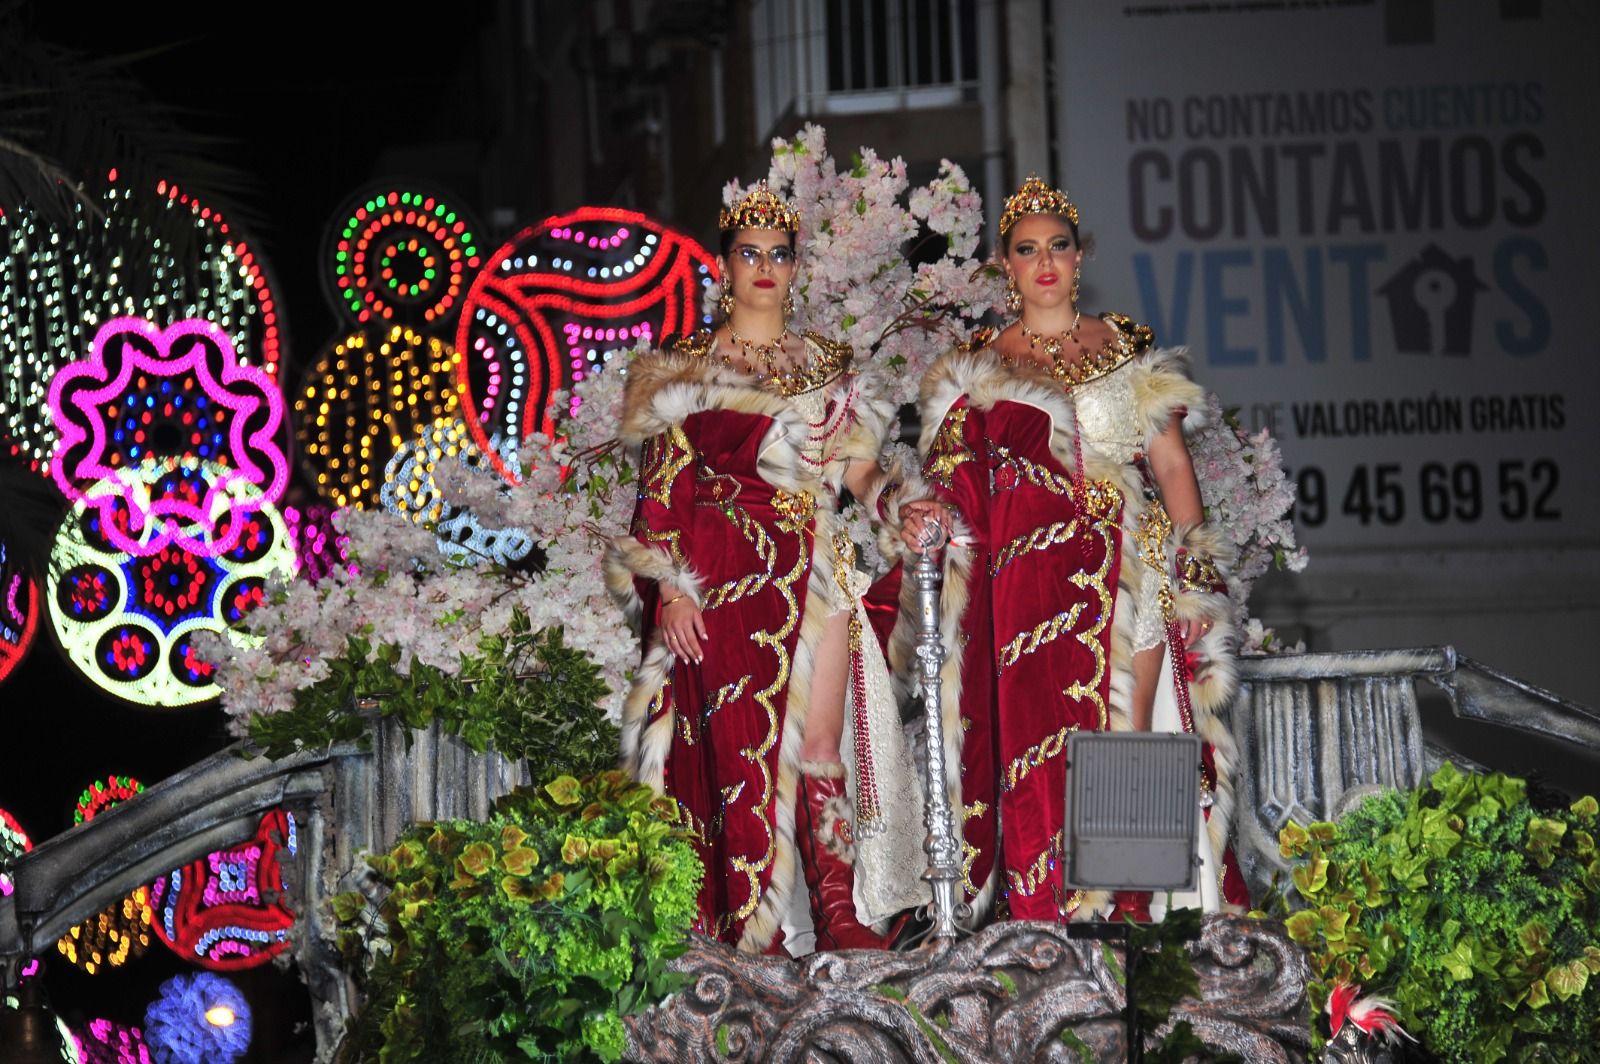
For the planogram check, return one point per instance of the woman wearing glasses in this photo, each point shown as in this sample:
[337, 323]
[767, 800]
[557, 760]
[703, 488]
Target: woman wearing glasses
[762, 706]
[1081, 584]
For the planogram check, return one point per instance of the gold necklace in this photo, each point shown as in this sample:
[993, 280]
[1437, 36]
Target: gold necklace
[1052, 344]
[766, 353]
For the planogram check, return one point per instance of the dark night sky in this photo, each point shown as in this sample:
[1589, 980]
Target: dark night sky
[307, 104]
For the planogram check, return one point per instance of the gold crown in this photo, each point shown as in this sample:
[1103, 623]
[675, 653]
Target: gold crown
[760, 209]
[1036, 197]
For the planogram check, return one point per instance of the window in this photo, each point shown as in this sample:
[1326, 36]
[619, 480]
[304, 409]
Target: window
[853, 56]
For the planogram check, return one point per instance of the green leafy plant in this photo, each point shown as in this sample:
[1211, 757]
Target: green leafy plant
[1164, 976]
[526, 693]
[526, 937]
[1477, 912]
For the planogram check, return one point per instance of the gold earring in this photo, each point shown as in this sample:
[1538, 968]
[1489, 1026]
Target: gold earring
[1013, 296]
[725, 301]
[788, 304]
[1077, 277]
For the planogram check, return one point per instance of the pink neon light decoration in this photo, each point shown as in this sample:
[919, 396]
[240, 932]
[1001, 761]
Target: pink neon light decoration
[163, 402]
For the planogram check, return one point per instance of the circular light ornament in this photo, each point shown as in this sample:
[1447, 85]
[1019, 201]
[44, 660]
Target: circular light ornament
[61, 282]
[163, 403]
[121, 932]
[19, 612]
[127, 620]
[113, 937]
[14, 842]
[412, 490]
[559, 301]
[226, 911]
[362, 401]
[105, 1042]
[399, 255]
[197, 1019]
[98, 797]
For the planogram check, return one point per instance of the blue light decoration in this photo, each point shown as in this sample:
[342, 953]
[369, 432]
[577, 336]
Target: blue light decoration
[227, 911]
[559, 301]
[127, 620]
[197, 1019]
[411, 490]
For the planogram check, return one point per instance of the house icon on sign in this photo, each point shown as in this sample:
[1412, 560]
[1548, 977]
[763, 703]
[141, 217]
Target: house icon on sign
[1430, 303]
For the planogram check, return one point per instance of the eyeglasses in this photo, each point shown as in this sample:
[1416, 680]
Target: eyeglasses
[780, 256]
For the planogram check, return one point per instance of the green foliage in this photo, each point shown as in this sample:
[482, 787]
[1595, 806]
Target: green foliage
[1163, 976]
[1477, 913]
[529, 936]
[526, 693]
[1080, 1049]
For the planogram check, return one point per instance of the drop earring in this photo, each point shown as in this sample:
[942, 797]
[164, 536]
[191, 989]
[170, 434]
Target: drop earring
[1077, 277]
[1013, 296]
[725, 301]
[788, 304]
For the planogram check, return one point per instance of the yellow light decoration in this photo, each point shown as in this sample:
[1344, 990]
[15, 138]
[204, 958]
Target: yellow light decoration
[362, 400]
[220, 1016]
[112, 938]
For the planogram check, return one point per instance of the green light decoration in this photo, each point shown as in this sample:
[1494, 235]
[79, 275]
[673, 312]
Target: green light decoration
[399, 255]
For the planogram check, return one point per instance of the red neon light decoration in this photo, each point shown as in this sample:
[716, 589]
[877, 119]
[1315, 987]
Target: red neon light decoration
[19, 612]
[227, 910]
[558, 301]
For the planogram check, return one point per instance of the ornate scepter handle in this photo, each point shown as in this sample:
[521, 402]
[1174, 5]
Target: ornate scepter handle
[944, 849]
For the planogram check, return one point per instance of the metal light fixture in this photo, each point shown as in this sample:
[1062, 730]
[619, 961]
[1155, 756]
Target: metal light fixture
[1133, 802]
[28, 1033]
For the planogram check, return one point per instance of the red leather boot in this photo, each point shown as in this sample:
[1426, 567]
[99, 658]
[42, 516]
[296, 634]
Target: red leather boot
[827, 853]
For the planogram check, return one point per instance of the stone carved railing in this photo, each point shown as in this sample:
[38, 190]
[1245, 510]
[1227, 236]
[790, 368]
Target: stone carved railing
[1318, 732]
[1315, 731]
[347, 802]
[1005, 994]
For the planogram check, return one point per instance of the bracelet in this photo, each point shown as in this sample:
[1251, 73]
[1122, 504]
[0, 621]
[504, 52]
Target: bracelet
[674, 598]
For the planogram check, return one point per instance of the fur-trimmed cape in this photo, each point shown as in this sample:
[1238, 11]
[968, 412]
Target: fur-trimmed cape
[1160, 388]
[666, 392]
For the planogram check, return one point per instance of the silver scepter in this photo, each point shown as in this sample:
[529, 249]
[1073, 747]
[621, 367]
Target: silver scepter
[944, 851]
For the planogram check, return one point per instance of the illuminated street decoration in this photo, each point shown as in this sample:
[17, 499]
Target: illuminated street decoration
[559, 301]
[401, 256]
[127, 620]
[121, 932]
[102, 1041]
[162, 404]
[362, 401]
[197, 1019]
[60, 283]
[319, 546]
[227, 911]
[14, 842]
[112, 938]
[411, 490]
[98, 796]
[19, 612]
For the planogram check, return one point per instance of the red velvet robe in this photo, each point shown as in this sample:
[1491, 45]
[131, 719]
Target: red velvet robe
[1035, 607]
[731, 511]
